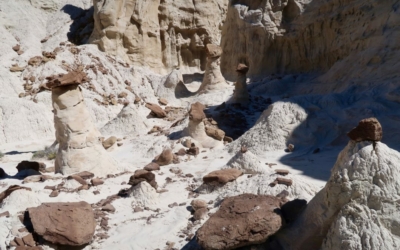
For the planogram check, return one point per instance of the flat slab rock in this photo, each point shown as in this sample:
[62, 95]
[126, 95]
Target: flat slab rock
[222, 176]
[66, 223]
[242, 220]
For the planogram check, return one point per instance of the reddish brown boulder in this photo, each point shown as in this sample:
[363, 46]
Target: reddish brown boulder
[70, 224]
[9, 190]
[196, 112]
[71, 78]
[367, 130]
[165, 158]
[242, 220]
[223, 176]
[85, 175]
[143, 175]
[156, 110]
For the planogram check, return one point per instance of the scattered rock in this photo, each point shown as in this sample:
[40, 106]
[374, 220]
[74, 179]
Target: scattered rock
[200, 214]
[284, 181]
[156, 110]
[367, 130]
[108, 208]
[215, 133]
[77, 178]
[290, 148]
[70, 224]
[5, 214]
[222, 176]
[181, 152]
[16, 48]
[96, 181]
[85, 175]
[198, 203]
[282, 171]
[193, 150]
[109, 142]
[152, 167]
[228, 139]
[28, 240]
[35, 61]
[242, 220]
[162, 101]
[165, 158]
[54, 193]
[16, 68]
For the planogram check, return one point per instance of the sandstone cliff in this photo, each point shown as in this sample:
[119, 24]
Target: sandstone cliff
[350, 39]
[162, 35]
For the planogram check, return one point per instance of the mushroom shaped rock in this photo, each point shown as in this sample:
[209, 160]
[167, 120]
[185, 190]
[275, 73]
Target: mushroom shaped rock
[222, 176]
[80, 146]
[242, 220]
[65, 223]
[213, 79]
[241, 95]
[361, 191]
[196, 128]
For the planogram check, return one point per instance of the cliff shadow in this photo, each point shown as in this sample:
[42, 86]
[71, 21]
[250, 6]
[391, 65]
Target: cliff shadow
[82, 23]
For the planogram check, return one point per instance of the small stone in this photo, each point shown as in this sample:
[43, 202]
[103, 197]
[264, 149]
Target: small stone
[222, 176]
[152, 167]
[5, 214]
[96, 192]
[228, 139]
[173, 205]
[290, 148]
[96, 181]
[109, 142]
[16, 48]
[243, 149]
[282, 171]
[138, 209]
[85, 175]
[163, 101]
[200, 214]
[19, 241]
[156, 110]
[28, 240]
[198, 203]
[108, 208]
[55, 193]
[181, 152]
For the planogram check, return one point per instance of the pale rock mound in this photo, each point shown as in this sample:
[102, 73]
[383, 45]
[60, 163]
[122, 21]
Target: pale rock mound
[273, 130]
[70, 224]
[144, 195]
[19, 201]
[128, 121]
[248, 162]
[241, 221]
[80, 147]
[161, 35]
[357, 207]
[213, 79]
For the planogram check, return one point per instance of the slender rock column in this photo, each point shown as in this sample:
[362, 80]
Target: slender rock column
[241, 94]
[213, 79]
[80, 147]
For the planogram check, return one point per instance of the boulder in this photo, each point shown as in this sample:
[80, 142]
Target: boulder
[222, 176]
[156, 110]
[198, 203]
[24, 165]
[367, 130]
[242, 220]
[70, 224]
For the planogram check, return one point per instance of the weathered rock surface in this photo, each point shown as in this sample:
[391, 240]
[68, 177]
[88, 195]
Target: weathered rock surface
[222, 176]
[354, 209]
[241, 95]
[247, 162]
[161, 35]
[240, 221]
[80, 147]
[70, 224]
[367, 130]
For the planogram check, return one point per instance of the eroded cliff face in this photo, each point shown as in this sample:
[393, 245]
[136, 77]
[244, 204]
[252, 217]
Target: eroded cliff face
[350, 37]
[162, 35]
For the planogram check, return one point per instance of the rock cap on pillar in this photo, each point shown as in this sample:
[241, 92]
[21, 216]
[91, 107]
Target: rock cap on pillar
[213, 50]
[367, 130]
[242, 68]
